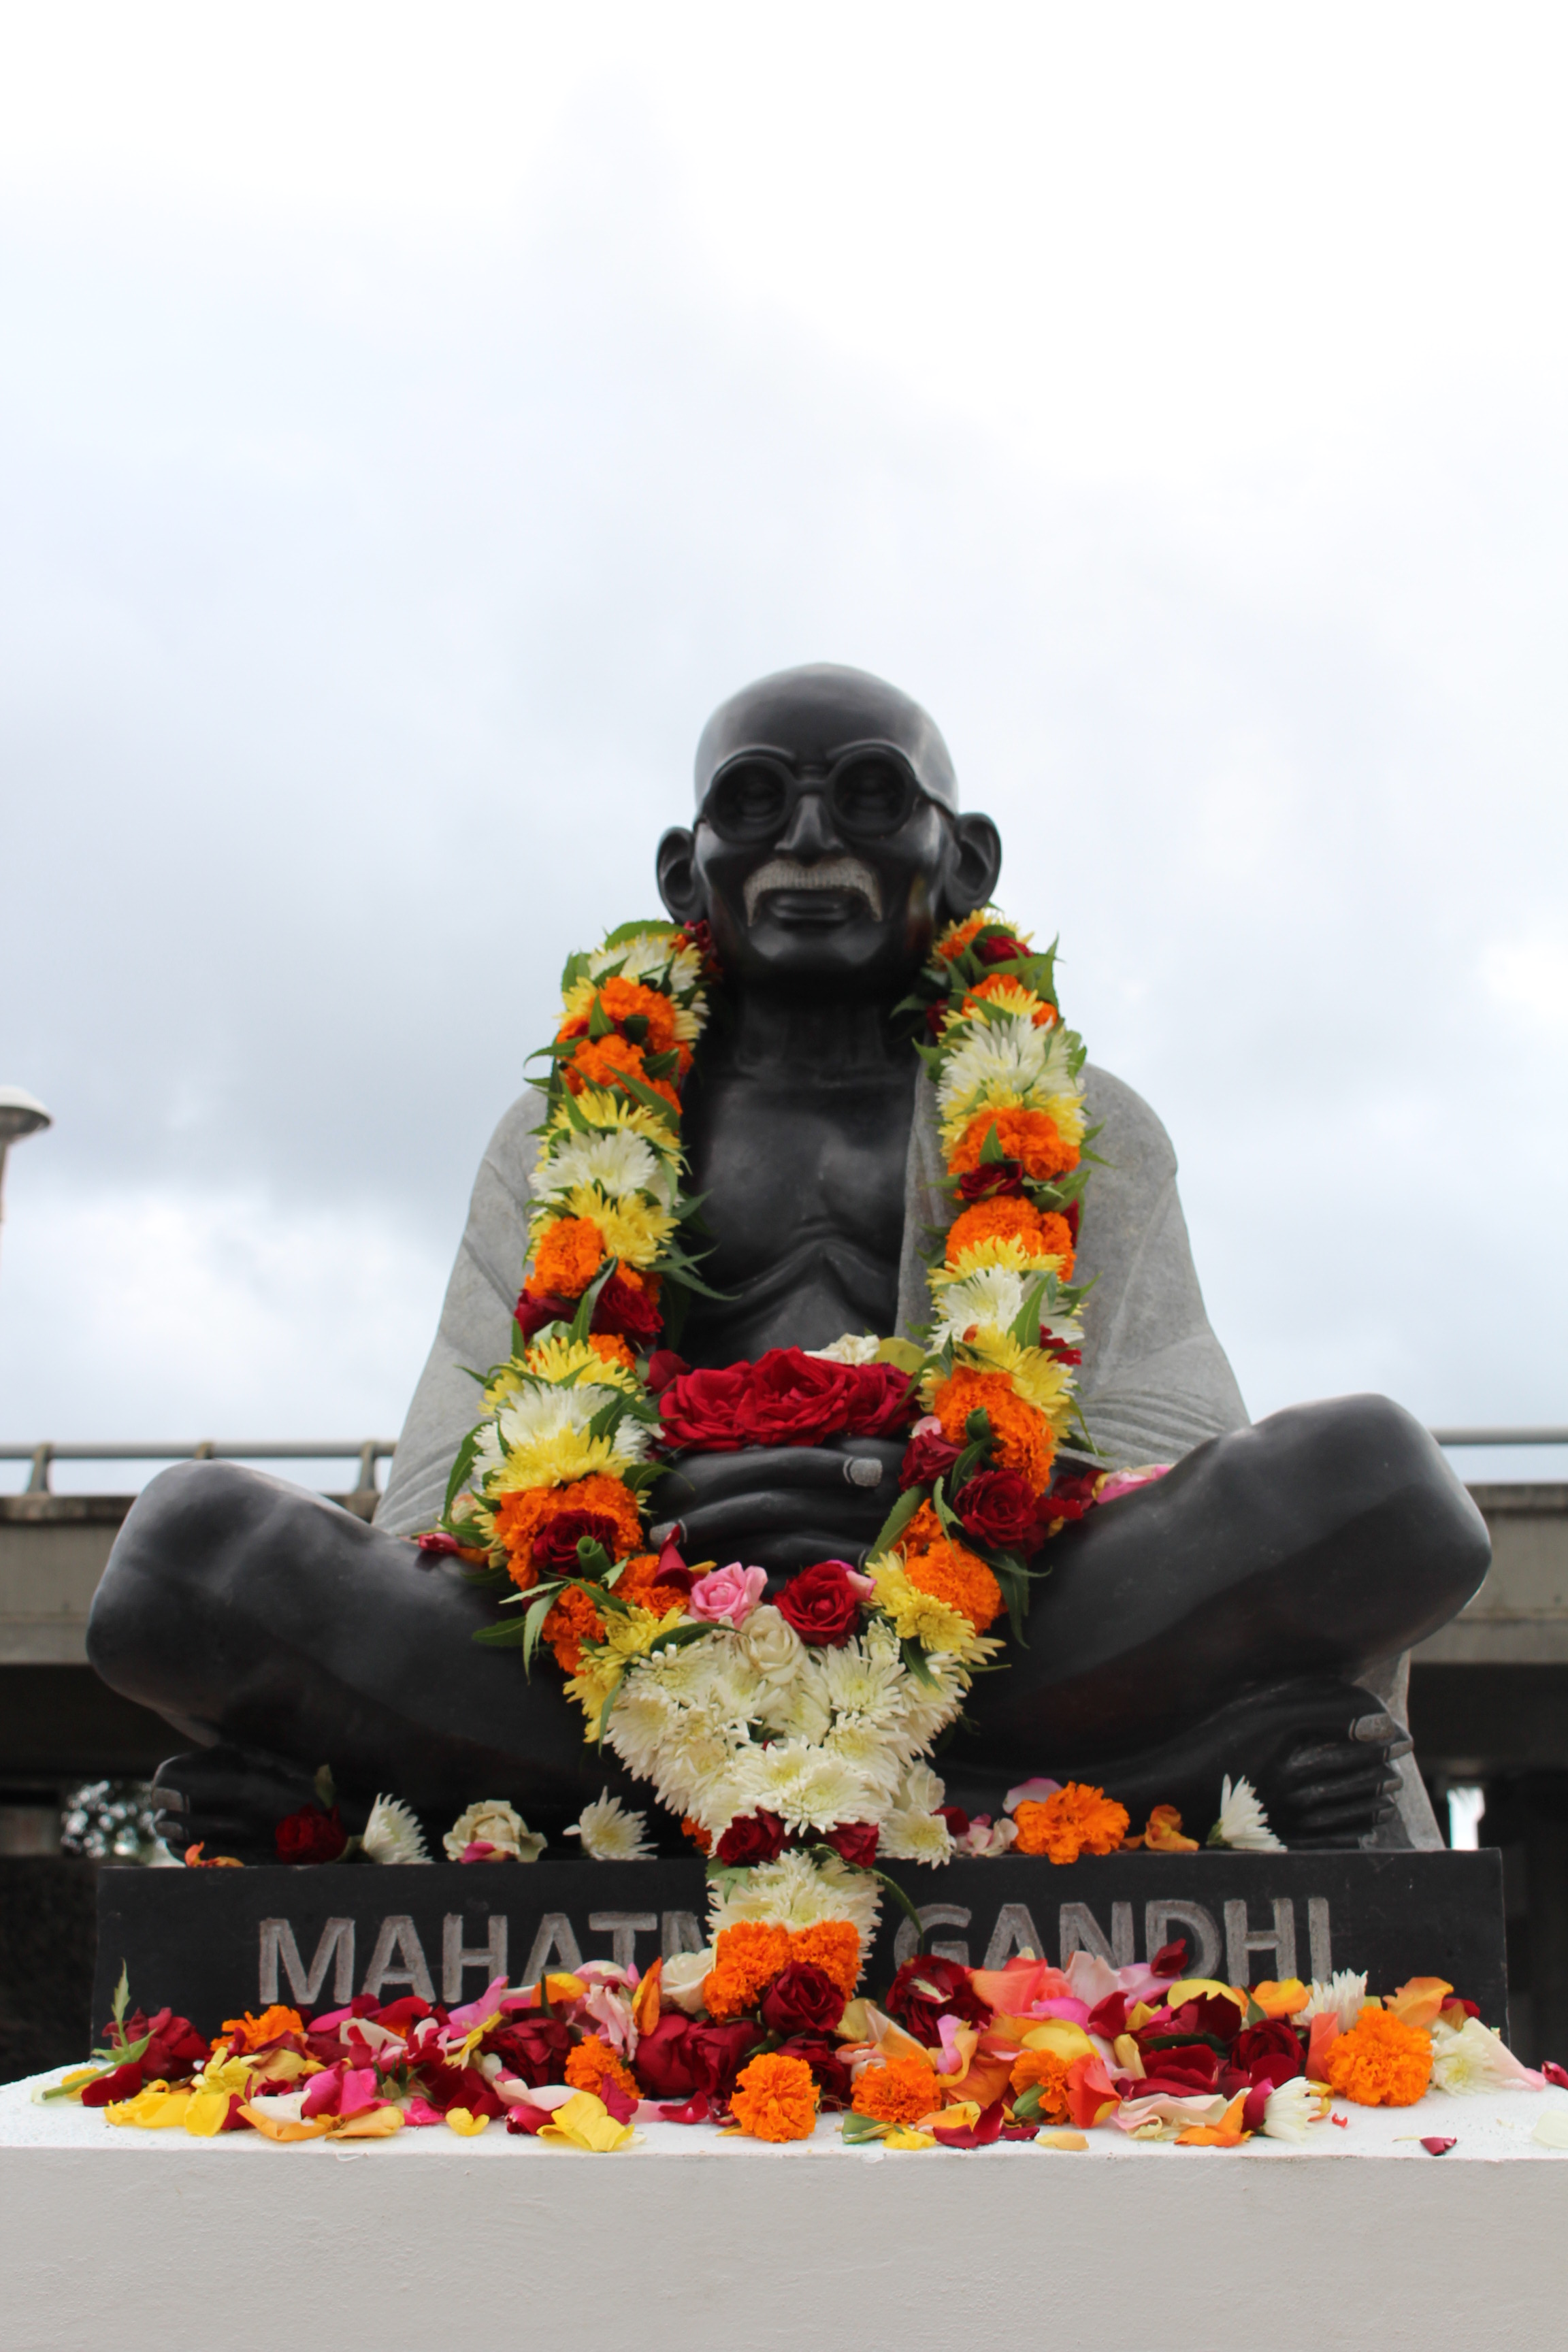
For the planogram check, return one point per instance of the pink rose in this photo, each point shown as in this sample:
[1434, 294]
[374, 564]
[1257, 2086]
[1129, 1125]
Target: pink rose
[728, 1595]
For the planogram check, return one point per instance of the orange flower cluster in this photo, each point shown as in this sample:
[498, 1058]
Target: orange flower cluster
[953, 947]
[592, 2063]
[1381, 2062]
[608, 1062]
[1044, 2067]
[522, 1515]
[1029, 1137]
[948, 1571]
[572, 1621]
[749, 1954]
[897, 2090]
[248, 2032]
[1023, 1439]
[1043, 1232]
[639, 1583]
[1045, 1016]
[569, 1255]
[1075, 1820]
[775, 2098]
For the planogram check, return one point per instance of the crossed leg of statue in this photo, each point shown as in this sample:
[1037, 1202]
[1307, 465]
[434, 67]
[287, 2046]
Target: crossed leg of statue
[1215, 1623]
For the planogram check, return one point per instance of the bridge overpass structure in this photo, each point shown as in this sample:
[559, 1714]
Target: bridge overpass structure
[1488, 1694]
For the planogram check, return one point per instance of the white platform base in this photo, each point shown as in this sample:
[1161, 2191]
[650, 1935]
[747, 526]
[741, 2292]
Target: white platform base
[120, 2241]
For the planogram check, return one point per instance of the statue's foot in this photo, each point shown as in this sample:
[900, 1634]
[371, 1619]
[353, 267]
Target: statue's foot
[1319, 1751]
[229, 1800]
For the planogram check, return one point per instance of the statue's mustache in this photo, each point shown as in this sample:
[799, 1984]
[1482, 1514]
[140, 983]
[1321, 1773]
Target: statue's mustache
[828, 874]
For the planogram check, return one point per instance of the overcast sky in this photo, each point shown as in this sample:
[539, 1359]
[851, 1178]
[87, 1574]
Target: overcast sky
[414, 419]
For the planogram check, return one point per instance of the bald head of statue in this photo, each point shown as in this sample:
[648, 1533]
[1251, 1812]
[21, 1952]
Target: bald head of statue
[828, 847]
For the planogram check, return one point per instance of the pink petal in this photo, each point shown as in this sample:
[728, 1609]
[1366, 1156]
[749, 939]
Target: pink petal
[1033, 1792]
[474, 2012]
[420, 2111]
[1438, 2147]
[360, 2089]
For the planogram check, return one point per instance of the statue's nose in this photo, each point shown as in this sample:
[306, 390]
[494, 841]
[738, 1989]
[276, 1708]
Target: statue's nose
[809, 833]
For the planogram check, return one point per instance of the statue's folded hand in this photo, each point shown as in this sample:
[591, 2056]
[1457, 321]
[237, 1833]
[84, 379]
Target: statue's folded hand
[781, 1507]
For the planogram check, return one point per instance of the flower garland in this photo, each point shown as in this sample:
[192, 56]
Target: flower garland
[791, 1736]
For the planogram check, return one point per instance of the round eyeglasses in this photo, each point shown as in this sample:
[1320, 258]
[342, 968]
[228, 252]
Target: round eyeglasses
[868, 794]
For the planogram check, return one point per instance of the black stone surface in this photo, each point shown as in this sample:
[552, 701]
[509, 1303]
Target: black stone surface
[212, 1943]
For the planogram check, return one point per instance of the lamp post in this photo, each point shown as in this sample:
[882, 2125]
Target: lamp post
[20, 1114]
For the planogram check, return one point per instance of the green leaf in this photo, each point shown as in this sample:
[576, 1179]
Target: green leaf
[460, 1469]
[121, 1994]
[509, 1634]
[902, 1354]
[326, 1791]
[897, 1519]
[977, 1428]
[861, 2129]
[533, 1624]
[914, 1660]
[583, 1321]
[593, 1560]
[599, 1022]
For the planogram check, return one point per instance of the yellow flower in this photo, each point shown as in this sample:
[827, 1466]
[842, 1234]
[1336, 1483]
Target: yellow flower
[464, 2123]
[919, 1616]
[560, 1457]
[1001, 1249]
[632, 1633]
[1036, 1376]
[596, 1107]
[596, 1680]
[1066, 1112]
[585, 2122]
[633, 1231]
[561, 1361]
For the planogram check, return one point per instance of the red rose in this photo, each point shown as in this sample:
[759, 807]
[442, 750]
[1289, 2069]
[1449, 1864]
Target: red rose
[754, 1837]
[822, 1604]
[627, 1312]
[802, 1999]
[532, 1315]
[1189, 2069]
[175, 2050]
[309, 1835]
[663, 2064]
[534, 2048]
[829, 2071]
[794, 1399]
[715, 2054]
[927, 1458]
[120, 2083]
[555, 1545]
[998, 1507]
[703, 1408]
[955, 1817]
[856, 1841]
[927, 1988]
[664, 1366]
[1072, 1498]
[880, 1403]
[993, 1180]
[1002, 948]
[1273, 2049]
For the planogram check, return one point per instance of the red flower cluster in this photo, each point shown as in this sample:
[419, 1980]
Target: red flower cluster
[785, 1398]
[313, 1835]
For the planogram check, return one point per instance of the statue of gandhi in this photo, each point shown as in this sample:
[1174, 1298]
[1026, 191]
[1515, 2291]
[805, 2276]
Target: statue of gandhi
[1248, 1613]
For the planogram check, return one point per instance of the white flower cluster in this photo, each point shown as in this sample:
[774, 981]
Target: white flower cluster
[755, 1721]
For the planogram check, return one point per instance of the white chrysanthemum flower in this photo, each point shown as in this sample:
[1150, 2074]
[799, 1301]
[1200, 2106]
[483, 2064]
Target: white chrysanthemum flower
[914, 1831]
[1004, 1061]
[621, 1164]
[544, 1432]
[1292, 2109]
[1243, 1825]
[642, 1721]
[806, 1787]
[493, 1823]
[646, 957]
[610, 1833]
[854, 1348]
[1473, 2058]
[876, 1755]
[801, 1713]
[799, 1892]
[392, 1832]
[992, 1296]
[1343, 1996]
[861, 1678]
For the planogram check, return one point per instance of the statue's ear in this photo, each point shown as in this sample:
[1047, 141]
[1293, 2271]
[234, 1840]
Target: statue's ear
[680, 886]
[973, 863]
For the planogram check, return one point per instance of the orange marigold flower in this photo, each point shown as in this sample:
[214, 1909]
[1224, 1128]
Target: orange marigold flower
[569, 1255]
[573, 1620]
[1044, 2067]
[1044, 1017]
[613, 1348]
[249, 2032]
[1381, 2062]
[639, 1583]
[1010, 1218]
[950, 1572]
[522, 1515]
[1025, 1441]
[593, 2063]
[624, 1000]
[746, 1958]
[1029, 1137]
[834, 1947]
[607, 1062]
[701, 1838]
[1075, 1820]
[775, 2098]
[953, 947]
[897, 2090]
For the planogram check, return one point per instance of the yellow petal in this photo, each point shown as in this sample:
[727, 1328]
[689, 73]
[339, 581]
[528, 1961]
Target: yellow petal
[157, 2108]
[464, 2123]
[1070, 2143]
[1191, 1987]
[1061, 2037]
[371, 2123]
[207, 2113]
[585, 2122]
[564, 1988]
[906, 2136]
[1129, 2057]
[274, 2127]
[1283, 2000]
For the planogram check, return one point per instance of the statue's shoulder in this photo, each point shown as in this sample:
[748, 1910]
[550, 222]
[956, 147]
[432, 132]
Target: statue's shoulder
[513, 1149]
[1132, 1145]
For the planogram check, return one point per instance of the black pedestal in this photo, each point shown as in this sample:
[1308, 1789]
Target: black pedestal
[212, 1943]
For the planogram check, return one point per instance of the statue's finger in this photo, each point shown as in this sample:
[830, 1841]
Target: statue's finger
[818, 1470]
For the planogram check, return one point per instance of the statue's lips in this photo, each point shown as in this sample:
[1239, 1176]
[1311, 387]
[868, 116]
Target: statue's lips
[825, 892]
